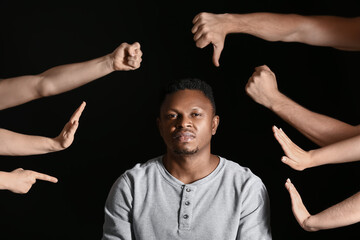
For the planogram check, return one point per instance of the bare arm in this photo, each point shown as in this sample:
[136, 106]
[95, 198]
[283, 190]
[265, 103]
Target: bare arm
[298, 159]
[20, 180]
[342, 214]
[321, 129]
[19, 90]
[12, 143]
[331, 31]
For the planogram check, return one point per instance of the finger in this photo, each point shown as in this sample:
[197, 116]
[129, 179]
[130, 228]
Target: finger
[132, 48]
[247, 86]
[76, 115]
[133, 61]
[285, 142]
[287, 184]
[298, 207]
[290, 162]
[197, 35]
[196, 18]
[44, 177]
[279, 138]
[265, 67]
[138, 52]
[284, 145]
[294, 195]
[217, 52]
[18, 170]
[202, 42]
[285, 137]
[72, 129]
[195, 28]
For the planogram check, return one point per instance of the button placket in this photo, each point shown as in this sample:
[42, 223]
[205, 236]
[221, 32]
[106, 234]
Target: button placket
[186, 208]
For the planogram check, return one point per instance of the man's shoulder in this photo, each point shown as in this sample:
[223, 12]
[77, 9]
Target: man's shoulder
[235, 167]
[143, 169]
[243, 178]
[239, 172]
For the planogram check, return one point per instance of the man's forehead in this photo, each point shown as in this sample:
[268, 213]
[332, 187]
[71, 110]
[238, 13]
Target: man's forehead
[186, 97]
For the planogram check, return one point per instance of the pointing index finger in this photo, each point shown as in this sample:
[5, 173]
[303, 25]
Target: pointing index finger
[45, 177]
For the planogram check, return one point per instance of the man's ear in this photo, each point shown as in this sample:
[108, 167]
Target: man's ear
[215, 124]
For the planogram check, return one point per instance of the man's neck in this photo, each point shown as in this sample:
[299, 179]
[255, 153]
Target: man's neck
[190, 168]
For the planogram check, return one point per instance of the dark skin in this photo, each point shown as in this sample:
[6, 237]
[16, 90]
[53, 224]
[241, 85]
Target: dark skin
[187, 123]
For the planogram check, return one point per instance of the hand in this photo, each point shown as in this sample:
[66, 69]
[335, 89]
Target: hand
[298, 208]
[296, 158]
[127, 57]
[20, 180]
[210, 28]
[66, 137]
[262, 86]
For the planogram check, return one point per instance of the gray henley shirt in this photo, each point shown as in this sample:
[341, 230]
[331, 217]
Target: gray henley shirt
[148, 203]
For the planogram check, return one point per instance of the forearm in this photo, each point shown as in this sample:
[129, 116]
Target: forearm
[268, 26]
[70, 76]
[16, 144]
[339, 152]
[331, 31]
[19, 90]
[320, 129]
[342, 214]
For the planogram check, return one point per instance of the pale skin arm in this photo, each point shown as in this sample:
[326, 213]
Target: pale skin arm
[342, 214]
[20, 180]
[322, 130]
[331, 31]
[16, 144]
[19, 90]
[298, 159]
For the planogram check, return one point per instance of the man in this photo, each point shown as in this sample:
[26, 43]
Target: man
[188, 193]
[19, 90]
[341, 139]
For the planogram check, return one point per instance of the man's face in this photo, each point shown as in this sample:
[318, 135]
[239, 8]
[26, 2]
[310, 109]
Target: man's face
[187, 122]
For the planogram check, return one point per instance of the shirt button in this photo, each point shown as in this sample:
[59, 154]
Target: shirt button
[186, 216]
[188, 190]
[187, 203]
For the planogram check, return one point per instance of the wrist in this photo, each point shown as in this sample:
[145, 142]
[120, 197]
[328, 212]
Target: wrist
[5, 180]
[55, 145]
[109, 62]
[276, 102]
[237, 23]
[312, 159]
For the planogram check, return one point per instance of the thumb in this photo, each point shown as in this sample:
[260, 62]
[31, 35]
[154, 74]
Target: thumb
[291, 163]
[217, 52]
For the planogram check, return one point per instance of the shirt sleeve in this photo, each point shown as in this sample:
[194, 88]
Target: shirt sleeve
[118, 212]
[255, 215]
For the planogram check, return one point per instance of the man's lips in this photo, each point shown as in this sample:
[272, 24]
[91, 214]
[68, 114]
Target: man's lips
[184, 136]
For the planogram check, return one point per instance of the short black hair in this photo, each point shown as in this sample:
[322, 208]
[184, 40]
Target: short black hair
[191, 84]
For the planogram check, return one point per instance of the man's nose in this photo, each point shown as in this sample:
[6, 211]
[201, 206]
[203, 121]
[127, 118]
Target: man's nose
[183, 122]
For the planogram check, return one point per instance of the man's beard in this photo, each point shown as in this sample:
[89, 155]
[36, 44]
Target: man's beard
[186, 151]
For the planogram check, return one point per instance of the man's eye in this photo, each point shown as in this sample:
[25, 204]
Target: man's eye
[171, 116]
[196, 114]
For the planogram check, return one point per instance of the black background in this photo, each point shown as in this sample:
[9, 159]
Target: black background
[118, 127]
